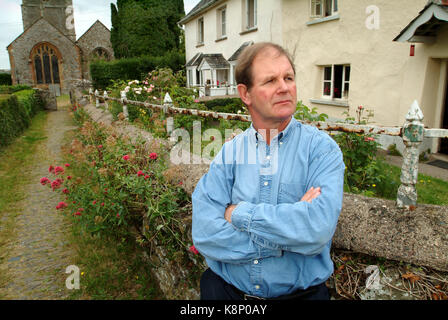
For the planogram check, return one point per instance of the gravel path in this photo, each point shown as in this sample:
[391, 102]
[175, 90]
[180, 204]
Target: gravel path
[38, 254]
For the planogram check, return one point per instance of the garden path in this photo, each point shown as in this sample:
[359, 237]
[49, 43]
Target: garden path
[38, 254]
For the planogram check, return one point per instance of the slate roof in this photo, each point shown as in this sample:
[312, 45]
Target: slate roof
[215, 61]
[195, 61]
[198, 9]
[235, 55]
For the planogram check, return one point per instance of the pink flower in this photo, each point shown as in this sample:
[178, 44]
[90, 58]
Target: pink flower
[153, 155]
[67, 165]
[56, 183]
[50, 169]
[58, 170]
[126, 157]
[69, 177]
[102, 204]
[196, 100]
[118, 215]
[44, 181]
[140, 173]
[94, 202]
[146, 176]
[100, 146]
[77, 213]
[65, 190]
[193, 250]
[61, 205]
[369, 139]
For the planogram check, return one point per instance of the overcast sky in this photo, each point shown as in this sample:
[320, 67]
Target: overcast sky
[86, 12]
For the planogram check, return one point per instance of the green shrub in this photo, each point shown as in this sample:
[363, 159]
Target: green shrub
[228, 105]
[12, 89]
[5, 79]
[15, 114]
[132, 68]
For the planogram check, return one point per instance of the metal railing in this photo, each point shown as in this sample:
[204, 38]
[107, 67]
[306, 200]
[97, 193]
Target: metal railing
[412, 132]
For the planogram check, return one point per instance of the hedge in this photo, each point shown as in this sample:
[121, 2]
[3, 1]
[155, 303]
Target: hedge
[5, 79]
[103, 72]
[16, 112]
[12, 89]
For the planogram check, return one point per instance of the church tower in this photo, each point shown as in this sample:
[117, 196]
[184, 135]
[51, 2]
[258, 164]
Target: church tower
[58, 12]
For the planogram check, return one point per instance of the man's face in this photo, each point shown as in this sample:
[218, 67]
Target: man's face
[272, 98]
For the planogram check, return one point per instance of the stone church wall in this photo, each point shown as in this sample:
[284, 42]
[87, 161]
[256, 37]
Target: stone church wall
[98, 36]
[42, 31]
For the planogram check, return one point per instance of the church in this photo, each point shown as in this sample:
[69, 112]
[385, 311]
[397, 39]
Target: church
[47, 55]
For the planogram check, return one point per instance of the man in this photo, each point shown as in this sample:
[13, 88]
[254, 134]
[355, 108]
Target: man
[265, 213]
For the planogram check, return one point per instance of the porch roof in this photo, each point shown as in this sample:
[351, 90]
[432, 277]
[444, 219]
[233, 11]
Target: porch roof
[425, 26]
[214, 61]
[235, 55]
[195, 61]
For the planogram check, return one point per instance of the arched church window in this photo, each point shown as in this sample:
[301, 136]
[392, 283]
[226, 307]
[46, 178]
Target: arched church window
[46, 64]
[100, 54]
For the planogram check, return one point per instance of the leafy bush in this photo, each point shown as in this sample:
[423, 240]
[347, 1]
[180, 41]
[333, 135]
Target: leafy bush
[15, 114]
[305, 113]
[133, 68]
[15, 88]
[228, 105]
[5, 79]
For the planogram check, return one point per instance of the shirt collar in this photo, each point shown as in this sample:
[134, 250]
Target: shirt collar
[281, 136]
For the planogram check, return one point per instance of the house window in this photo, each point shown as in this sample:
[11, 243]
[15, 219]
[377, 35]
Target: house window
[222, 32]
[336, 83]
[251, 13]
[323, 8]
[201, 31]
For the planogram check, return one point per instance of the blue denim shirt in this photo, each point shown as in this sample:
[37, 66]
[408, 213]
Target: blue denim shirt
[276, 243]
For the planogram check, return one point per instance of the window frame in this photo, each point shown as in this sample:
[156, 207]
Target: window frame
[322, 4]
[200, 31]
[344, 82]
[221, 27]
[248, 21]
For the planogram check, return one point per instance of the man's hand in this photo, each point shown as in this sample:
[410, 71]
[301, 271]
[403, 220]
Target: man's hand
[228, 212]
[311, 194]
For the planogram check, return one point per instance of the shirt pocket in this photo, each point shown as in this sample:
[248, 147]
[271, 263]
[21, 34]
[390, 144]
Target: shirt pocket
[290, 192]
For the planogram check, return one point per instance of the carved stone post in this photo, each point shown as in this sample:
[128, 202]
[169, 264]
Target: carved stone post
[91, 95]
[125, 107]
[413, 132]
[97, 101]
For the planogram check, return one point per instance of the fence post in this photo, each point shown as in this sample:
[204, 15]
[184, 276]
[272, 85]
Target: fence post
[125, 107]
[90, 95]
[105, 100]
[97, 101]
[412, 134]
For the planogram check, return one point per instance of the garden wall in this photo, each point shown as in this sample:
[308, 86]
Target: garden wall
[367, 225]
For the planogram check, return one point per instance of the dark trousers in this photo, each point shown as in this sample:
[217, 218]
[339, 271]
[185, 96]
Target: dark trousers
[213, 287]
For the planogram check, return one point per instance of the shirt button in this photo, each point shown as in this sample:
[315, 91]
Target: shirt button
[255, 261]
[281, 143]
[266, 183]
[257, 287]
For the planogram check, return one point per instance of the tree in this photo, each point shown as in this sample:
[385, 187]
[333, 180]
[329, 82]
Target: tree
[146, 27]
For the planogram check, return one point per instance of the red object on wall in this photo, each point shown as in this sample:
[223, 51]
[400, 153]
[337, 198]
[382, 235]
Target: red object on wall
[412, 50]
[445, 2]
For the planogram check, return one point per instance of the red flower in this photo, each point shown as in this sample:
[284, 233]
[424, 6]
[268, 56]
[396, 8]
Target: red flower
[58, 170]
[126, 157]
[67, 165]
[44, 181]
[102, 204]
[94, 202]
[50, 169]
[100, 146]
[77, 213]
[69, 177]
[56, 183]
[146, 176]
[368, 139]
[118, 215]
[61, 205]
[65, 190]
[140, 173]
[193, 250]
[153, 155]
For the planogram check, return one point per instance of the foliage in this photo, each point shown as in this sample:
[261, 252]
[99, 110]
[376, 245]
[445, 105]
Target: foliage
[139, 27]
[5, 79]
[102, 72]
[363, 172]
[15, 114]
[12, 89]
[229, 105]
[393, 151]
[305, 113]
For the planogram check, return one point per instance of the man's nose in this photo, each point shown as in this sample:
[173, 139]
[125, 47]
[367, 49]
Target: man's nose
[282, 86]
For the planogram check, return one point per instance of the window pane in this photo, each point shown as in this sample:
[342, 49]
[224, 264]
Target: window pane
[327, 73]
[337, 84]
[47, 73]
[223, 17]
[335, 5]
[347, 73]
[328, 7]
[327, 88]
[346, 89]
[250, 14]
[38, 69]
[55, 67]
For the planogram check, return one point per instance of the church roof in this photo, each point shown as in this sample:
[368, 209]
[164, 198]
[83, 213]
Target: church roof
[97, 22]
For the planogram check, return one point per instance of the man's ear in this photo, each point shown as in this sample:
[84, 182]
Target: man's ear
[244, 93]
